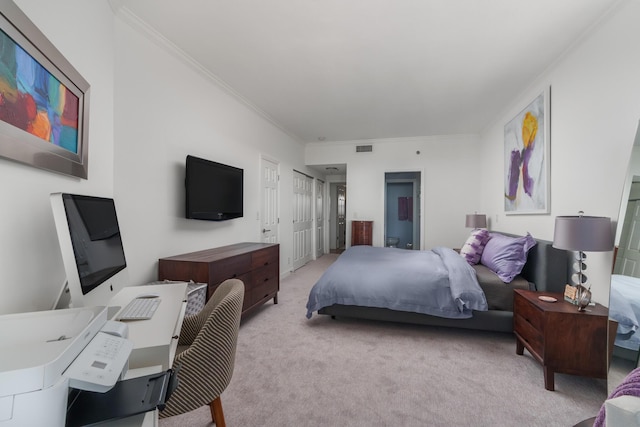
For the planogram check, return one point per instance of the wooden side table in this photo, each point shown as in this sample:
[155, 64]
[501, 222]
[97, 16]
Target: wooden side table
[560, 337]
[361, 233]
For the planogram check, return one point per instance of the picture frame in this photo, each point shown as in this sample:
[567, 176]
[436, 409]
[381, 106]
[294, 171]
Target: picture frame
[45, 101]
[527, 157]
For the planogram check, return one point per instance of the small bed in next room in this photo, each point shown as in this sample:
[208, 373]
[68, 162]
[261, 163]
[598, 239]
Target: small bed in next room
[439, 286]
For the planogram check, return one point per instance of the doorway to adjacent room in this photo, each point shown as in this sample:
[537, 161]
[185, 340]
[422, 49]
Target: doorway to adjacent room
[402, 210]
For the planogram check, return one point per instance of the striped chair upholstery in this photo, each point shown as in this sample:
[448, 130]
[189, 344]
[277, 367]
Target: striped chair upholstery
[206, 365]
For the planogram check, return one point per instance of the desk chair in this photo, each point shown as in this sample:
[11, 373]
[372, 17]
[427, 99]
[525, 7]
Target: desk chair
[208, 343]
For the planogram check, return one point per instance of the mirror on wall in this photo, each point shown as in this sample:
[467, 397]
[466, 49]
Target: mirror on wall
[624, 297]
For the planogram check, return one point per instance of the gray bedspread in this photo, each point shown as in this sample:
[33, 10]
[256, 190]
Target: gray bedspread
[438, 282]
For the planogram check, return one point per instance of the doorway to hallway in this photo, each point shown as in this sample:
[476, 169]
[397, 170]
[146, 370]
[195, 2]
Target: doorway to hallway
[337, 217]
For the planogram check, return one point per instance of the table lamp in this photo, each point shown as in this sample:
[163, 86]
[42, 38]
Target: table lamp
[583, 234]
[476, 220]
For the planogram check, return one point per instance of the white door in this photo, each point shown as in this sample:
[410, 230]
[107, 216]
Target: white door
[302, 219]
[269, 214]
[319, 218]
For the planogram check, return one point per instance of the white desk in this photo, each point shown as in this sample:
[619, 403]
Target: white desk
[38, 347]
[155, 340]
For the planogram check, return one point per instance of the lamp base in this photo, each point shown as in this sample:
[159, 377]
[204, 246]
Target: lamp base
[583, 297]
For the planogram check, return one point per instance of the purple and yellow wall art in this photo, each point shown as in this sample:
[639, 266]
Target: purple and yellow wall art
[33, 100]
[526, 178]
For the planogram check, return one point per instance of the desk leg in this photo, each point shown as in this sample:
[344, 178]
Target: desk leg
[519, 347]
[275, 299]
[548, 378]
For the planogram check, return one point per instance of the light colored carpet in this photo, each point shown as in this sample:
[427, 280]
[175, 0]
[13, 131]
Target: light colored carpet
[291, 371]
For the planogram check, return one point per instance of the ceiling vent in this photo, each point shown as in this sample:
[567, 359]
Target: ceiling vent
[364, 148]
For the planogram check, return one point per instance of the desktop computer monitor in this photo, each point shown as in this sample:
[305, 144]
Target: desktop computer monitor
[91, 246]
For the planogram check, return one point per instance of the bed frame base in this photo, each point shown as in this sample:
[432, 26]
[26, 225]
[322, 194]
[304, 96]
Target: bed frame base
[494, 320]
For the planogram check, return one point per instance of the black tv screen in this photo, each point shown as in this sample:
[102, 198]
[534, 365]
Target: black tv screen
[214, 191]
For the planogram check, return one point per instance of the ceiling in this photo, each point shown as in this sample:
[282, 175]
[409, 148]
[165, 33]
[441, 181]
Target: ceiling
[339, 70]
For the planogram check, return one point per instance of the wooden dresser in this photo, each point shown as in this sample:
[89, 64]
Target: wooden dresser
[560, 337]
[361, 233]
[256, 264]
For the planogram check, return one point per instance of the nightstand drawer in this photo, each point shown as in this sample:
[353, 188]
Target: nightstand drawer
[528, 333]
[528, 311]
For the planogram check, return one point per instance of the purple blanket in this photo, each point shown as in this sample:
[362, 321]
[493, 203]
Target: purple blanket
[630, 386]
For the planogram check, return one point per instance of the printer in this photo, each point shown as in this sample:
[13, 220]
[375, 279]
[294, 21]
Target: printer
[44, 354]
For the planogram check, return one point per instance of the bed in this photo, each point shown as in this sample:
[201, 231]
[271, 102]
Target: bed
[624, 307]
[343, 290]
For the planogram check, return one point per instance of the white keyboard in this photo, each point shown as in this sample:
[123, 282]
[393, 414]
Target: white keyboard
[139, 309]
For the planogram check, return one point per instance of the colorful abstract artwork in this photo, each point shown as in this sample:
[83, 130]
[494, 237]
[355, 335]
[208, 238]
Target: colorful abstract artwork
[526, 141]
[35, 101]
[44, 100]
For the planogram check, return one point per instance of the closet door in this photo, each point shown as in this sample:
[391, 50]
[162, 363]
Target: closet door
[319, 218]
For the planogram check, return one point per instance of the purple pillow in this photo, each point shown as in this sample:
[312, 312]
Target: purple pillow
[472, 249]
[506, 255]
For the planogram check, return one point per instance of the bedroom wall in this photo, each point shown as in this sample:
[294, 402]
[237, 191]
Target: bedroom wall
[165, 109]
[450, 185]
[595, 108]
[29, 256]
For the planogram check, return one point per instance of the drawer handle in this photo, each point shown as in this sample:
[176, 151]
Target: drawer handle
[266, 279]
[234, 276]
[266, 263]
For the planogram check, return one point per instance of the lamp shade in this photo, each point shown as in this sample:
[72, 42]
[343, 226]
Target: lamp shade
[476, 221]
[583, 233]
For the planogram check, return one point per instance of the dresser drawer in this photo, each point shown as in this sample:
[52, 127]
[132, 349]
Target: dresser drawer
[232, 268]
[245, 278]
[529, 312]
[264, 257]
[265, 275]
[529, 334]
[263, 290]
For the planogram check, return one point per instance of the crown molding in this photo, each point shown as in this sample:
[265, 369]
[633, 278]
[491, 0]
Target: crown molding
[138, 24]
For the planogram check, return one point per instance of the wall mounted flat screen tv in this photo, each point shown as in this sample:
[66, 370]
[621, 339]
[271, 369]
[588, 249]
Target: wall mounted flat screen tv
[214, 191]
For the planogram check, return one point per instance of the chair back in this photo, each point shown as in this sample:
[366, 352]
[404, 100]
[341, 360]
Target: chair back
[207, 365]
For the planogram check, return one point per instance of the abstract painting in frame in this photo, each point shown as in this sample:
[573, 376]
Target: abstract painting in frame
[526, 158]
[44, 101]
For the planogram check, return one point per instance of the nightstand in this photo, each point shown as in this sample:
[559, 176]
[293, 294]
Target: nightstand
[560, 337]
